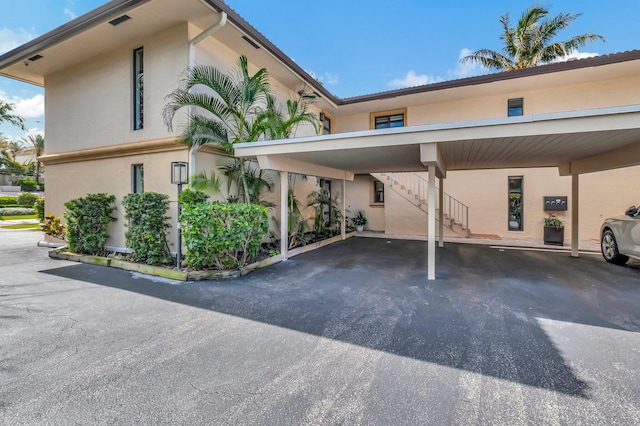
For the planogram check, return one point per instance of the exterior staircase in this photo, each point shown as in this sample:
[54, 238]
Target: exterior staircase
[413, 187]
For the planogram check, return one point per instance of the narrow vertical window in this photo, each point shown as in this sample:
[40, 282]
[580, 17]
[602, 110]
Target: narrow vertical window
[515, 107]
[137, 178]
[326, 125]
[138, 89]
[516, 203]
[376, 198]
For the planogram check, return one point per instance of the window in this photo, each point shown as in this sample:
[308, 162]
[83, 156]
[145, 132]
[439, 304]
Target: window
[377, 193]
[137, 178]
[325, 188]
[515, 107]
[327, 123]
[516, 203]
[388, 119]
[138, 89]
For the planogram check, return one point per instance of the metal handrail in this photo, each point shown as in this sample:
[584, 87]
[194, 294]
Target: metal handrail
[455, 210]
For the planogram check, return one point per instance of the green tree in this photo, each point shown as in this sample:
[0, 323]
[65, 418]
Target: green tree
[237, 107]
[531, 43]
[37, 144]
[6, 114]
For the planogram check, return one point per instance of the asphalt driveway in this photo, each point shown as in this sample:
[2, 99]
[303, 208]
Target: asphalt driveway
[348, 334]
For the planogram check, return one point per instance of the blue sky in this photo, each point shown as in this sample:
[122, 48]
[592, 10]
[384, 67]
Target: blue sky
[355, 47]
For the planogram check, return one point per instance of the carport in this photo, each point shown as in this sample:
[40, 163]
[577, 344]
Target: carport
[576, 142]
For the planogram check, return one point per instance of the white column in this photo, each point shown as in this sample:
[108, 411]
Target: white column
[441, 212]
[344, 209]
[284, 214]
[575, 180]
[431, 243]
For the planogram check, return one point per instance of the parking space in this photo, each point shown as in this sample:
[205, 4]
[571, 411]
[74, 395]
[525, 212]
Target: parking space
[352, 333]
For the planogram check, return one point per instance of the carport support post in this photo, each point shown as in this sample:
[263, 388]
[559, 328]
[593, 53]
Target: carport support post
[284, 214]
[575, 181]
[344, 209]
[431, 239]
[441, 212]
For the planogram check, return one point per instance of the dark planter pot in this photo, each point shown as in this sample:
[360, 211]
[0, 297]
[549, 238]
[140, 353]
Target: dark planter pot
[553, 236]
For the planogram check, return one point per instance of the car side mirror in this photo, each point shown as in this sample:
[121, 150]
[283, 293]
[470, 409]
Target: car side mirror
[632, 211]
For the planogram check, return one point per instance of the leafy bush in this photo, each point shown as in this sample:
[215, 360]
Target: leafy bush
[29, 185]
[223, 235]
[51, 225]
[6, 200]
[27, 199]
[148, 222]
[38, 208]
[16, 211]
[190, 196]
[87, 221]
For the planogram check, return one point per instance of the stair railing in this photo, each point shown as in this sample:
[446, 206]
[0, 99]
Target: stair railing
[454, 209]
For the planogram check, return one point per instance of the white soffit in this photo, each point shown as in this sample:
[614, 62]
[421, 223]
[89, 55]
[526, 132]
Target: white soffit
[531, 141]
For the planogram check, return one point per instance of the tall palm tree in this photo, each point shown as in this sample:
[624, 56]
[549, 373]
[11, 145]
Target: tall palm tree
[530, 43]
[6, 114]
[37, 144]
[242, 108]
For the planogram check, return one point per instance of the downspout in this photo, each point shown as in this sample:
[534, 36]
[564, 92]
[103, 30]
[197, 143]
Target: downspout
[192, 62]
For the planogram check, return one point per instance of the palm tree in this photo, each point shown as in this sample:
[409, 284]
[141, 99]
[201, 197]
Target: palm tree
[6, 114]
[530, 43]
[241, 109]
[37, 144]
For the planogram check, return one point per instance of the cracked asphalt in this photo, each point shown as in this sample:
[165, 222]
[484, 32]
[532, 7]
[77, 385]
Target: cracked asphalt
[348, 334]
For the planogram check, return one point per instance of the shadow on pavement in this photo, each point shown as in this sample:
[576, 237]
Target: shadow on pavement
[480, 315]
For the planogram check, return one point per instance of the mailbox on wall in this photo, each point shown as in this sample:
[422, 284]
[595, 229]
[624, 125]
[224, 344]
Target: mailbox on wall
[555, 204]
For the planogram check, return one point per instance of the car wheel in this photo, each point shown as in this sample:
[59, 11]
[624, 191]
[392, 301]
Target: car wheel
[610, 249]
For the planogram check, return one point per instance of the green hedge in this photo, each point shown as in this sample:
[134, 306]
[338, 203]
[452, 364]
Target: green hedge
[38, 208]
[87, 222]
[7, 200]
[16, 211]
[148, 223]
[27, 199]
[222, 235]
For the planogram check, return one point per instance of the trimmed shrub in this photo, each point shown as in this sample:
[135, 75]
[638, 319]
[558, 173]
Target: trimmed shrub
[7, 200]
[148, 223]
[223, 235]
[29, 185]
[192, 196]
[16, 211]
[38, 208]
[87, 221]
[27, 199]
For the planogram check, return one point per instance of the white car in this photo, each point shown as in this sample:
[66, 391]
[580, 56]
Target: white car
[620, 237]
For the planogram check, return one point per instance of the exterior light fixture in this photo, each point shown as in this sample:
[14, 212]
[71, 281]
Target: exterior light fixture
[179, 176]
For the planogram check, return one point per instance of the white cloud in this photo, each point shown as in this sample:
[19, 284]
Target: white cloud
[70, 14]
[328, 78]
[332, 79]
[10, 39]
[32, 107]
[34, 131]
[412, 79]
[577, 55]
[468, 69]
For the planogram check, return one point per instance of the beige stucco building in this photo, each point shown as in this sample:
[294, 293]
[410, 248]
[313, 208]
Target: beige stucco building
[497, 144]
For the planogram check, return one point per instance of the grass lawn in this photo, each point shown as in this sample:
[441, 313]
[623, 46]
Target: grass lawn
[29, 216]
[34, 226]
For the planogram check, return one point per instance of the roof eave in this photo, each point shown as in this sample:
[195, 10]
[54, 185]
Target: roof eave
[67, 31]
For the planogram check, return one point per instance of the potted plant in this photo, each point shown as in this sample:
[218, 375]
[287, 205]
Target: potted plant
[553, 231]
[360, 220]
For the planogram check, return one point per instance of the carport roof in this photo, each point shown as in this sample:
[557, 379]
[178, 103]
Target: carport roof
[576, 142]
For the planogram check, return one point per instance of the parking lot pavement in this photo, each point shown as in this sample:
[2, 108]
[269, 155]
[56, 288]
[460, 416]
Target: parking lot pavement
[348, 334]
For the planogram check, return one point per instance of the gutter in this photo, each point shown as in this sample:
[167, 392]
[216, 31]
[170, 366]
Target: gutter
[192, 62]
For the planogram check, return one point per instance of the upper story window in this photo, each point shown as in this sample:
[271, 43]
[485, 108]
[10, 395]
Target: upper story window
[388, 119]
[327, 123]
[138, 89]
[515, 107]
